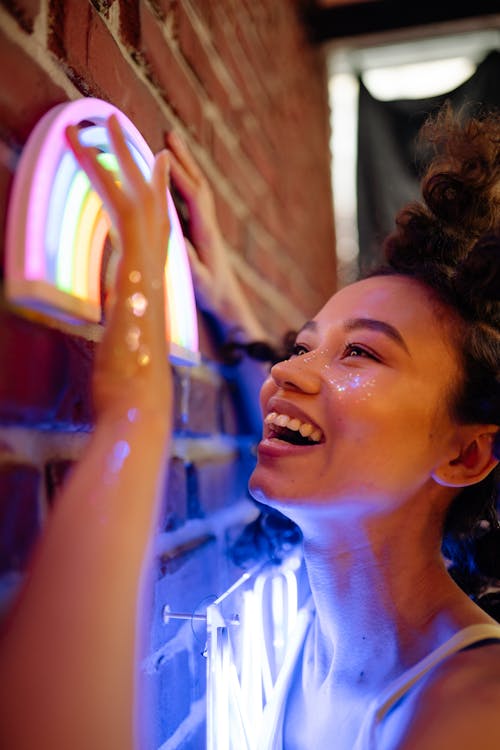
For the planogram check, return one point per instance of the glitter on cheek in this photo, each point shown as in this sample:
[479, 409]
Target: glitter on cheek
[138, 303]
[350, 382]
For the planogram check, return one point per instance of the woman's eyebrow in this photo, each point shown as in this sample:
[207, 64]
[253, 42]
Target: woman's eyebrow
[377, 325]
[309, 325]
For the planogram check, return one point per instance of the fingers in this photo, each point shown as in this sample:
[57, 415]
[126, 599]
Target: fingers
[185, 184]
[201, 275]
[101, 178]
[130, 172]
[184, 157]
[116, 197]
[160, 184]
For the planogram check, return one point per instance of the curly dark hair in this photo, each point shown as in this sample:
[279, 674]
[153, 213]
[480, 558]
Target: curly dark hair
[450, 243]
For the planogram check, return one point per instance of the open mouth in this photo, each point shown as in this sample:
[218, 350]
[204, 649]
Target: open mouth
[292, 430]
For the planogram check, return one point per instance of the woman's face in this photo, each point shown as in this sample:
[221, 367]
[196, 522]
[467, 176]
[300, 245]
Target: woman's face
[365, 399]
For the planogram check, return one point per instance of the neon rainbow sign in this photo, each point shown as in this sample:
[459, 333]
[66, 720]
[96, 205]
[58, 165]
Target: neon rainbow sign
[57, 227]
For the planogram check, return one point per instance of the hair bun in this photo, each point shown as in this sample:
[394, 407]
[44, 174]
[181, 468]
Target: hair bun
[417, 240]
[452, 200]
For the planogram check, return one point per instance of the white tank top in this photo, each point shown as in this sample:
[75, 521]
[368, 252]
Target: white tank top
[272, 738]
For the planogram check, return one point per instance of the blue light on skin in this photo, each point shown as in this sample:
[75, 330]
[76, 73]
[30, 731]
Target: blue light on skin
[121, 450]
[132, 414]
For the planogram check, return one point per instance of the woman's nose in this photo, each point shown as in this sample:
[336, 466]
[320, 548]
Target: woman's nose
[296, 374]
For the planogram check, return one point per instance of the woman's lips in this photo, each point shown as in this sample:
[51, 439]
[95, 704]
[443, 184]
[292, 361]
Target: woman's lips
[275, 448]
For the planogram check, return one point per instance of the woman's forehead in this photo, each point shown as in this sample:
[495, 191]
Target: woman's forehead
[399, 306]
[397, 298]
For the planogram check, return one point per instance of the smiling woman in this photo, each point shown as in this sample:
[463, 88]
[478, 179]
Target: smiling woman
[381, 442]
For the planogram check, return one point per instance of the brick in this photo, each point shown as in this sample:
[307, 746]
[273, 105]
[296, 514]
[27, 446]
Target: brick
[202, 60]
[103, 6]
[238, 171]
[163, 8]
[261, 156]
[95, 63]
[26, 91]
[237, 65]
[189, 579]
[130, 22]
[196, 399]
[75, 408]
[205, 12]
[276, 323]
[230, 421]
[174, 694]
[19, 513]
[24, 11]
[174, 509]
[57, 393]
[6, 177]
[253, 49]
[219, 483]
[230, 224]
[167, 73]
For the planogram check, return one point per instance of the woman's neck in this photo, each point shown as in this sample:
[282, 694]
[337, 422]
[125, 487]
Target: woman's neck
[381, 589]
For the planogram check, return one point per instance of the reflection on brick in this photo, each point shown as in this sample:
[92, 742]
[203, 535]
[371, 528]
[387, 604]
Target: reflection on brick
[19, 513]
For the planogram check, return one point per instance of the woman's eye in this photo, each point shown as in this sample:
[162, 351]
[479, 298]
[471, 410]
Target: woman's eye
[298, 350]
[354, 350]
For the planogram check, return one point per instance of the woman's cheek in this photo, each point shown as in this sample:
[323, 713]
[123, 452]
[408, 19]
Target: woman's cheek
[356, 386]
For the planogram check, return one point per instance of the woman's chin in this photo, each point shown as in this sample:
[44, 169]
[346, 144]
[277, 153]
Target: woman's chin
[262, 486]
[257, 491]
[266, 491]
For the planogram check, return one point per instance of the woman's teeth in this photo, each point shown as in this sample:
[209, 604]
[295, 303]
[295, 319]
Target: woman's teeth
[314, 434]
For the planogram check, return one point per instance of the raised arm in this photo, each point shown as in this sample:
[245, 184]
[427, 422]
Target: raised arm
[70, 652]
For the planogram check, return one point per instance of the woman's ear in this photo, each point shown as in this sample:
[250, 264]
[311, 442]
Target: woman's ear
[475, 460]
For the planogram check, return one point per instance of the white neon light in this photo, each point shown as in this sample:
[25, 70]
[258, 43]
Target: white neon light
[250, 664]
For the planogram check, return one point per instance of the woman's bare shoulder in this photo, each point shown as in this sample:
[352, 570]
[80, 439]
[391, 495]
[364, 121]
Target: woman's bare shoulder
[456, 705]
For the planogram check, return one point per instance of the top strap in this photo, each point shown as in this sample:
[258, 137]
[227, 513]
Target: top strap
[460, 640]
[381, 706]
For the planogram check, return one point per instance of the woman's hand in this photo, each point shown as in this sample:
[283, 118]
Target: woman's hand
[132, 358]
[217, 287]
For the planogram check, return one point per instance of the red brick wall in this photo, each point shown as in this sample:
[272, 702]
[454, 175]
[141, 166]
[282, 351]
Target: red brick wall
[240, 82]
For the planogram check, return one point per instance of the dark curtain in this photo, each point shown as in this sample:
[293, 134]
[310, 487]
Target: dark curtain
[388, 165]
